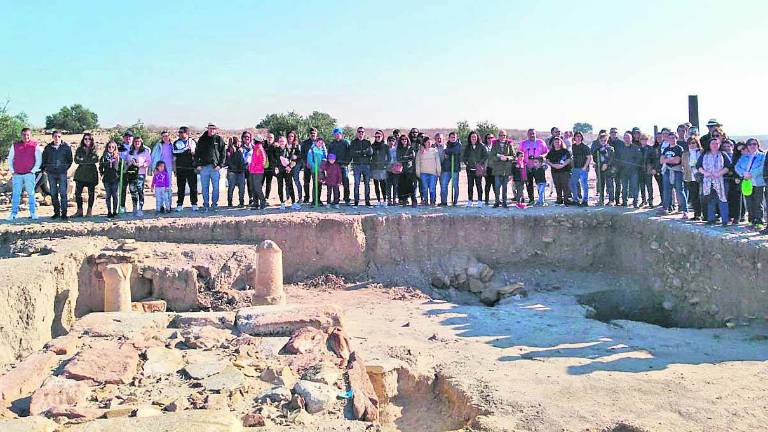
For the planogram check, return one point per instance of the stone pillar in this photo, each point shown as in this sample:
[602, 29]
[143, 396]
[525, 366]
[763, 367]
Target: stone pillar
[117, 287]
[267, 277]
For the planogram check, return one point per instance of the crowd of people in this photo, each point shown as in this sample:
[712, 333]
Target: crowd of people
[703, 177]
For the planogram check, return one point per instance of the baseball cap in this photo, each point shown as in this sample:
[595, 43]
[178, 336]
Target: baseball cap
[128, 133]
[331, 156]
[635, 129]
[713, 122]
[338, 131]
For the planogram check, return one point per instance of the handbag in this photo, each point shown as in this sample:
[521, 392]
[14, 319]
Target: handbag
[746, 184]
[480, 169]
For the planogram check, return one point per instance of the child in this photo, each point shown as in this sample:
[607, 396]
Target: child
[110, 167]
[330, 174]
[519, 176]
[315, 157]
[539, 177]
[161, 184]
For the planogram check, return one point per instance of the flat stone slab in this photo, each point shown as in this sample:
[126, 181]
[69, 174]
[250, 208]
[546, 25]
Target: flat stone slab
[284, 320]
[28, 424]
[162, 361]
[58, 392]
[27, 376]
[121, 324]
[229, 379]
[187, 421]
[223, 320]
[205, 369]
[106, 362]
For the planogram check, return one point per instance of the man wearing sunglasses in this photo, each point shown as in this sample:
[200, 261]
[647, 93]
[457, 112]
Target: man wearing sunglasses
[361, 150]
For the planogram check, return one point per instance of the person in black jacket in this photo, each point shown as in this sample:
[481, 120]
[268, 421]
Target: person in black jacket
[209, 158]
[475, 157]
[305, 146]
[340, 147]
[406, 171]
[235, 163]
[361, 151]
[449, 176]
[57, 158]
[280, 164]
[184, 160]
[270, 149]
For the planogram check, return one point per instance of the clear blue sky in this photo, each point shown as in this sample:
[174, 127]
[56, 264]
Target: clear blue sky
[390, 64]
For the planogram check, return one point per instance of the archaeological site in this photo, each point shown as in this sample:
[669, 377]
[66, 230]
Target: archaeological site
[552, 319]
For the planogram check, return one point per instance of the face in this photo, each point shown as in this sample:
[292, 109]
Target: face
[603, 139]
[282, 141]
[502, 136]
[360, 133]
[644, 141]
[137, 142]
[291, 137]
[473, 139]
[183, 135]
[111, 147]
[439, 138]
[337, 136]
[212, 130]
[403, 141]
[428, 143]
[88, 140]
[26, 136]
[578, 139]
[568, 134]
[332, 161]
[627, 138]
[161, 167]
[414, 132]
[659, 137]
[726, 146]
[127, 139]
[313, 135]
[557, 144]
[57, 138]
[714, 145]
[270, 138]
[166, 137]
[752, 146]
[691, 144]
[636, 135]
[681, 131]
[555, 132]
[247, 137]
[392, 142]
[531, 134]
[378, 136]
[614, 133]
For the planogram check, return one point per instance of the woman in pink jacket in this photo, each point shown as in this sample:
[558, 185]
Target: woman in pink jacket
[259, 163]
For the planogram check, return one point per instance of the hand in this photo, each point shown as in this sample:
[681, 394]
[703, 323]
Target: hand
[276, 171]
[603, 167]
[747, 175]
[217, 168]
[198, 169]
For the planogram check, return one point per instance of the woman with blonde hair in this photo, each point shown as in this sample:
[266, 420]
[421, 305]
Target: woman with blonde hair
[691, 177]
[428, 170]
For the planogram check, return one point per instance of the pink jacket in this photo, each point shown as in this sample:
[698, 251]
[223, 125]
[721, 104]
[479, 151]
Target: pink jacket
[258, 160]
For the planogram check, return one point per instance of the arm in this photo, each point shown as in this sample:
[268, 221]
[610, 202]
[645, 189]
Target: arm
[79, 156]
[588, 162]
[68, 157]
[10, 160]
[38, 160]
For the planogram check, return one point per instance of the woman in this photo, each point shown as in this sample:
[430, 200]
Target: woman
[691, 176]
[259, 163]
[559, 159]
[296, 165]
[406, 174]
[379, 164]
[235, 163]
[490, 180]
[137, 160]
[246, 144]
[393, 177]
[475, 158]
[736, 206]
[428, 170]
[750, 167]
[282, 165]
[86, 174]
[111, 167]
[713, 165]
[501, 159]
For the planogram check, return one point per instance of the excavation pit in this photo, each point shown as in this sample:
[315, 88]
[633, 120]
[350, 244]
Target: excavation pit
[573, 294]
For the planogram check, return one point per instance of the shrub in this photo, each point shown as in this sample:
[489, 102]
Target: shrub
[10, 129]
[74, 119]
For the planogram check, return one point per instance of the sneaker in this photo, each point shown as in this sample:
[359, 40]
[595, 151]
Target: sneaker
[385, 205]
[296, 206]
[496, 204]
[520, 205]
[468, 204]
[34, 216]
[758, 227]
[122, 209]
[179, 209]
[336, 206]
[140, 213]
[684, 216]
[282, 206]
[504, 205]
[11, 217]
[194, 208]
[479, 204]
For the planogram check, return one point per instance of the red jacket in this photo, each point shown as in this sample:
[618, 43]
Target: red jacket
[330, 173]
[259, 160]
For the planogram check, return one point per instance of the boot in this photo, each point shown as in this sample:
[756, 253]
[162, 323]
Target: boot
[79, 213]
[90, 212]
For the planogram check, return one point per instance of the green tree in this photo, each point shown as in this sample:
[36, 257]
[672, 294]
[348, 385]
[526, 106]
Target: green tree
[584, 128]
[462, 130]
[485, 127]
[324, 123]
[75, 119]
[281, 124]
[137, 129]
[349, 133]
[10, 129]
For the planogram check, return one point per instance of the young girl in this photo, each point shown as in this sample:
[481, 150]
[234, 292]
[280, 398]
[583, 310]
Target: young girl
[110, 166]
[519, 176]
[538, 172]
[259, 163]
[331, 178]
[161, 184]
[137, 161]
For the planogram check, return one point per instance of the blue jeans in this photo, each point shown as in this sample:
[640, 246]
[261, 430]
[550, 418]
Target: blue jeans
[579, 179]
[235, 180]
[682, 199]
[500, 188]
[446, 179]
[541, 189]
[712, 201]
[429, 188]
[630, 181]
[112, 191]
[58, 185]
[23, 182]
[363, 170]
[296, 173]
[208, 175]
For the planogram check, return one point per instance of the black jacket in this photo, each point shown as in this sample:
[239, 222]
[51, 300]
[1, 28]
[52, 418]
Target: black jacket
[211, 150]
[380, 160]
[56, 160]
[341, 150]
[235, 162]
[110, 168]
[184, 156]
[474, 156]
[361, 151]
[406, 156]
[452, 156]
[633, 158]
[86, 171]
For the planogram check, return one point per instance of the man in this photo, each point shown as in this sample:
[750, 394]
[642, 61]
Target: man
[163, 151]
[633, 164]
[603, 155]
[184, 165]
[712, 124]
[672, 174]
[306, 145]
[340, 147]
[56, 160]
[209, 158]
[532, 148]
[554, 133]
[123, 148]
[582, 159]
[24, 160]
[361, 151]
[568, 140]
[269, 174]
[618, 149]
[449, 171]
[646, 171]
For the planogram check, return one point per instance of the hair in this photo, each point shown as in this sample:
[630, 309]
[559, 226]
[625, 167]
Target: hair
[404, 137]
[242, 135]
[578, 133]
[55, 131]
[719, 130]
[469, 137]
[295, 136]
[425, 140]
[391, 138]
[396, 132]
[26, 129]
[312, 129]
[106, 148]
[556, 139]
[694, 140]
[184, 129]
[82, 140]
[157, 165]
[132, 149]
[552, 129]
[755, 140]
[452, 133]
[378, 131]
[709, 148]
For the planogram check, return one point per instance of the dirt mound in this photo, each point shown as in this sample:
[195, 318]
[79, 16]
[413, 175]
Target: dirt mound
[325, 283]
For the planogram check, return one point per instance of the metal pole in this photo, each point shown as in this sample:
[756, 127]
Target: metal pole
[693, 110]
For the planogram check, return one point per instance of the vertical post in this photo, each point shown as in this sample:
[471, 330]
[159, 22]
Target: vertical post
[655, 131]
[693, 110]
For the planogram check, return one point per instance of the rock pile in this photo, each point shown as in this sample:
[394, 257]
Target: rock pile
[466, 274]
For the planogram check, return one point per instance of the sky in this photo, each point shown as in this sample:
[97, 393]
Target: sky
[397, 63]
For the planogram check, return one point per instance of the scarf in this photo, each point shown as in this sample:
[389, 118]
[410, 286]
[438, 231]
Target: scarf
[713, 162]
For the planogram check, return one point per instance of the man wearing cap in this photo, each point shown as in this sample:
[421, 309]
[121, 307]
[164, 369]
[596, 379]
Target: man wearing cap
[340, 147]
[209, 158]
[361, 150]
[184, 165]
[712, 124]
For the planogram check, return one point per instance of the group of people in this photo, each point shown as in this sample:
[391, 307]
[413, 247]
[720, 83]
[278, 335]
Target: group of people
[702, 177]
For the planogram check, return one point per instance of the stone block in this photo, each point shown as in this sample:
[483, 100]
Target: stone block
[284, 320]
